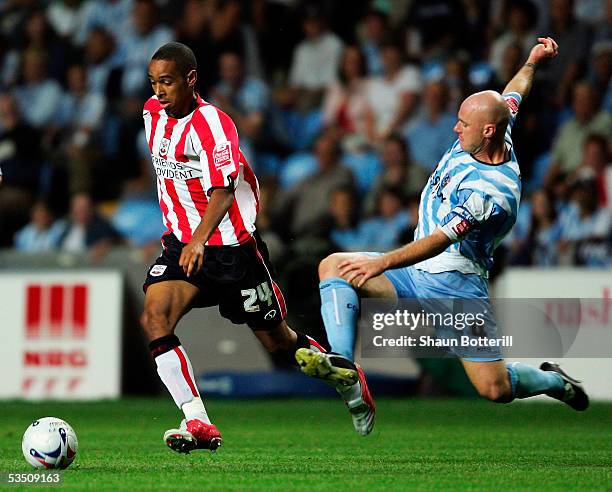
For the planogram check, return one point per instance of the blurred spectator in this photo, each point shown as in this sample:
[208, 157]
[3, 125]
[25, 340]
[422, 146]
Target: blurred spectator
[344, 212]
[374, 31]
[596, 165]
[304, 207]
[540, 246]
[522, 18]
[139, 44]
[399, 173]
[112, 15]
[603, 26]
[569, 142]
[345, 103]
[268, 191]
[42, 233]
[431, 133]
[219, 27]
[38, 35]
[138, 220]
[86, 231]
[245, 99]
[13, 14]
[589, 11]
[601, 71]
[79, 117]
[393, 96]
[275, 44]
[457, 78]
[38, 95]
[563, 70]
[20, 162]
[191, 30]
[383, 231]
[412, 211]
[315, 61]
[511, 60]
[379, 233]
[583, 222]
[434, 25]
[100, 61]
[65, 16]
[9, 63]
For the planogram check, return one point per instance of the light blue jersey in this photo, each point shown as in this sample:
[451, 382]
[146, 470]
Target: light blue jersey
[475, 204]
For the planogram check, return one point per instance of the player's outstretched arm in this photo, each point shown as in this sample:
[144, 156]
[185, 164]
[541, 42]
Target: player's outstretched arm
[367, 267]
[523, 80]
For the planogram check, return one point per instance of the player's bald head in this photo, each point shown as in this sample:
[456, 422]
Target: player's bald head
[488, 107]
[482, 121]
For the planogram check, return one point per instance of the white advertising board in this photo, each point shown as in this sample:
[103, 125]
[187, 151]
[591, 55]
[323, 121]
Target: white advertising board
[564, 283]
[61, 334]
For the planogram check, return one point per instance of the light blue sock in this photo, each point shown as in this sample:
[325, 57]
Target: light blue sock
[529, 381]
[340, 310]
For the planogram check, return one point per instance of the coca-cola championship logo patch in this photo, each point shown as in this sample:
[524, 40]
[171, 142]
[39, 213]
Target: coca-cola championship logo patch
[222, 155]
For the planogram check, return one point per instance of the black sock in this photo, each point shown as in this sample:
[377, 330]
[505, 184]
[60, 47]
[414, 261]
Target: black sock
[163, 344]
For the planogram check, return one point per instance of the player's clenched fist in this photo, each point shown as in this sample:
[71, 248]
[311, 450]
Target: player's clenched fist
[546, 48]
[192, 257]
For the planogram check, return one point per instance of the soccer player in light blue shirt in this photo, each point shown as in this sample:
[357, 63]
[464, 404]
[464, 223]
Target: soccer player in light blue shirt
[467, 207]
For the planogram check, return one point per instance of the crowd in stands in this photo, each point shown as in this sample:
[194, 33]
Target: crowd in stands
[343, 108]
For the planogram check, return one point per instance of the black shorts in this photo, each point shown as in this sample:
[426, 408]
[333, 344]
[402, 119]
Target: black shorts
[238, 279]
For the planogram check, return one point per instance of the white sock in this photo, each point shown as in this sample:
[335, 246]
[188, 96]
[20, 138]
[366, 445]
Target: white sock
[175, 371]
[350, 393]
[194, 409]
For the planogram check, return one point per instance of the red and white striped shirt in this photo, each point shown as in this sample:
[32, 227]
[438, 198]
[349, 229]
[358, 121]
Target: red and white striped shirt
[192, 156]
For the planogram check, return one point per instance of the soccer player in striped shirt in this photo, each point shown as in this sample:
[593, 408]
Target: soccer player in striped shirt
[467, 207]
[212, 254]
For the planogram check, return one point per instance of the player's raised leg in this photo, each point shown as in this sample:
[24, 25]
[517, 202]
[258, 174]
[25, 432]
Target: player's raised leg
[165, 304]
[343, 374]
[502, 383]
[340, 301]
[340, 312]
[283, 342]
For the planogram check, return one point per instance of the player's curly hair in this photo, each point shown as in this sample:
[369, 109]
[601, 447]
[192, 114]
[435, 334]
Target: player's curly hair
[179, 53]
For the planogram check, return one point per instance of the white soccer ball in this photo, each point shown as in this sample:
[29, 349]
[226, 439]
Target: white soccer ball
[49, 442]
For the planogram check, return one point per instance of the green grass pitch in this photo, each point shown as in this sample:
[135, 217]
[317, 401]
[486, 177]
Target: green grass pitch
[310, 445]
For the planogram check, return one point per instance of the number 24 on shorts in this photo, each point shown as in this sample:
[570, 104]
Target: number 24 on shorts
[263, 292]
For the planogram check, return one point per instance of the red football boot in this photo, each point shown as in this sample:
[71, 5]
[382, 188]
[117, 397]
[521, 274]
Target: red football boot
[191, 435]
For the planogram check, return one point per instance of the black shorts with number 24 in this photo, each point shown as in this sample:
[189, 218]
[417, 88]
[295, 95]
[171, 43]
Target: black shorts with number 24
[238, 279]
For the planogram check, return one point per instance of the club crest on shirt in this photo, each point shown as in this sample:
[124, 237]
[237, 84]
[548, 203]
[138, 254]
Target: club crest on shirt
[163, 148]
[158, 270]
[222, 155]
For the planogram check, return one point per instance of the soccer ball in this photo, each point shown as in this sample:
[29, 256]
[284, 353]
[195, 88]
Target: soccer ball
[49, 443]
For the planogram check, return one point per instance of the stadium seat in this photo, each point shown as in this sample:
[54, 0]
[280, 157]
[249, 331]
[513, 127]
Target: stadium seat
[297, 167]
[138, 220]
[365, 166]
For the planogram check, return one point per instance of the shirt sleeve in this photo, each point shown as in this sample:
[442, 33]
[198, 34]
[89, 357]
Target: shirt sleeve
[513, 101]
[216, 142]
[476, 209]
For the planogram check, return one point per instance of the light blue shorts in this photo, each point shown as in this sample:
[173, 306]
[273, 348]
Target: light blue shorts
[434, 292]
